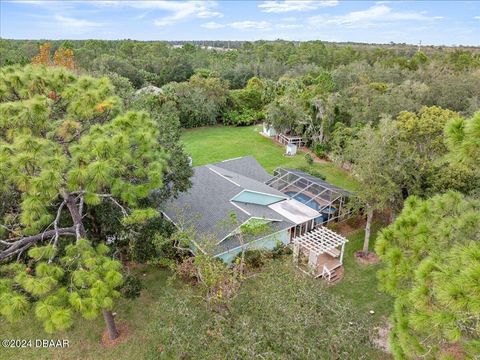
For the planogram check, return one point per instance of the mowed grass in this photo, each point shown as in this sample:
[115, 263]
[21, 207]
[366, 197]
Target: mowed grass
[212, 144]
[359, 283]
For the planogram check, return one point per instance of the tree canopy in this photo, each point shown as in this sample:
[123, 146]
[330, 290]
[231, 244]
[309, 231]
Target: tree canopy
[432, 269]
[64, 144]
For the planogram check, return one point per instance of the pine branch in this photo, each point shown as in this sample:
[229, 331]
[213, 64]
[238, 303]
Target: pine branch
[19, 244]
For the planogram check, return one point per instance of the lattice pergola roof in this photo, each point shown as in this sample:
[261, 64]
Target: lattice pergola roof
[320, 240]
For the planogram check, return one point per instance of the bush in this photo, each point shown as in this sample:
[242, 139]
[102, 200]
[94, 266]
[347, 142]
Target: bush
[142, 246]
[309, 159]
[242, 117]
[321, 150]
[132, 287]
[254, 258]
[280, 250]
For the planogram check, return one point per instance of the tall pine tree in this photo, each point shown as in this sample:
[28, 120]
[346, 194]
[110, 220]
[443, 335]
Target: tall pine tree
[65, 148]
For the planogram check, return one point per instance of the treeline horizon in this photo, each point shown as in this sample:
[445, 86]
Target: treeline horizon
[239, 43]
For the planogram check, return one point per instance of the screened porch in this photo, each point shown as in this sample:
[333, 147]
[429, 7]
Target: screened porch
[329, 200]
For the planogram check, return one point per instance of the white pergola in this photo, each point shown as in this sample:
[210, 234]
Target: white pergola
[317, 242]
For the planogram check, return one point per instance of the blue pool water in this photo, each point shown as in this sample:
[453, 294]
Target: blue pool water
[304, 199]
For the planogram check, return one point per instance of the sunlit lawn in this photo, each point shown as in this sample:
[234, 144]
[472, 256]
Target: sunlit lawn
[212, 144]
[360, 283]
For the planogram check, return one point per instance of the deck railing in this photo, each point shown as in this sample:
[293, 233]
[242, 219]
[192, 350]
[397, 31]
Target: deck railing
[326, 272]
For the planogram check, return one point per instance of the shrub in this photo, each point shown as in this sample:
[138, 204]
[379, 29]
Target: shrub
[280, 250]
[142, 246]
[242, 117]
[321, 150]
[132, 287]
[254, 258]
[309, 159]
[186, 270]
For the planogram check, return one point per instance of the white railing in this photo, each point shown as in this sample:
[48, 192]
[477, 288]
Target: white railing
[326, 272]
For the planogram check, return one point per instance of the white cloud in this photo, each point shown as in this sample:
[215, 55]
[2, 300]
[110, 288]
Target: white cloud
[73, 25]
[213, 25]
[292, 5]
[178, 10]
[375, 15]
[251, 25]
[76, 23]
[477, 17]
[289, 26]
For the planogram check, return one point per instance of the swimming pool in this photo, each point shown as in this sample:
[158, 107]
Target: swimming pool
[304, 199]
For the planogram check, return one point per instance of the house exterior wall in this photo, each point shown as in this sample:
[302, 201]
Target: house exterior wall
[268, 242]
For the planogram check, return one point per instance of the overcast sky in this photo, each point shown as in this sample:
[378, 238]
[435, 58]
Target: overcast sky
[432, 22]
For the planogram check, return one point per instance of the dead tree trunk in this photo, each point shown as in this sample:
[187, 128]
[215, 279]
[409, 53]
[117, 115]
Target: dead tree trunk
[368, 227]
[110, 323]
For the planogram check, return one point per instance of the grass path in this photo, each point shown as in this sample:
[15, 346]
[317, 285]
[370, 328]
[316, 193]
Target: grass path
[213, 144]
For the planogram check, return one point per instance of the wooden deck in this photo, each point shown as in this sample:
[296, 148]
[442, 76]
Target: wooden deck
[329, 261]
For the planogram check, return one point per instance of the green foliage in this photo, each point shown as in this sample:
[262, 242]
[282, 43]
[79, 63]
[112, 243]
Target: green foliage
[313, 171]
[84, 280]
[255, 322]
[286, 114]
[132, 287]
[145, 242]
[254, 258]
[63, 139]
[200, 101]
[431, 255]
[321, 149]
[309, 159]
[242, 118]
[463, 139]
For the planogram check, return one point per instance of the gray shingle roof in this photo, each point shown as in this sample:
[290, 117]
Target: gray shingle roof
[247, 166]
[206, 205]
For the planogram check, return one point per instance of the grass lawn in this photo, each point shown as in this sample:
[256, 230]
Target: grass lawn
[360, 283]
[292, 317]
[213, 144]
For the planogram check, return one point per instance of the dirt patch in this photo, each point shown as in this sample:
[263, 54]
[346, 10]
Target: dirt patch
[122, 337]
[366, 259]
[454, 351]
[381, 337]
[131, 265]
[349, 226]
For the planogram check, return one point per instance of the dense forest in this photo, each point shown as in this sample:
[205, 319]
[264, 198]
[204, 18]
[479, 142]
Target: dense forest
[402, 120]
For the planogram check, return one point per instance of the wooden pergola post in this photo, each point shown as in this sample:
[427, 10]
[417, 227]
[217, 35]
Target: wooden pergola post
[341, 253]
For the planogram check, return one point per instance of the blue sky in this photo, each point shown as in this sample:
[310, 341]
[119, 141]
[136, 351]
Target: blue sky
[432, 22]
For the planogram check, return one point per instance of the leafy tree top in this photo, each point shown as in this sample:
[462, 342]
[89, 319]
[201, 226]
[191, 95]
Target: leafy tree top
[83, 280]
[63, 141]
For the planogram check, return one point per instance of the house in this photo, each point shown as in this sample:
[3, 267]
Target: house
[242, 187]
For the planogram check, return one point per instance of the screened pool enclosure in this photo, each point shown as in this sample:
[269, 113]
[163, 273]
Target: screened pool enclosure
[329, 200]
